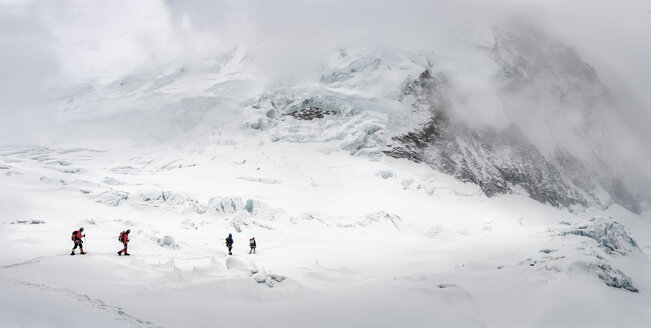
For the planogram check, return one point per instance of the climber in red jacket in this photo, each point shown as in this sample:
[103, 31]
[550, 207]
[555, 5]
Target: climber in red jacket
[76, 238]
[124, 239]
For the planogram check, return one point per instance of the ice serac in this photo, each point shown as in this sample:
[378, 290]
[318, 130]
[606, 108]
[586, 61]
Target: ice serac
[553, 147]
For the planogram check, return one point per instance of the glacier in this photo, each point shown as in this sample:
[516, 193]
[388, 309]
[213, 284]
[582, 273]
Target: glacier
[474, 184]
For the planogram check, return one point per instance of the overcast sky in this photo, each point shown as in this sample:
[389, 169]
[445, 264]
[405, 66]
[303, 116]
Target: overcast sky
[47, 44]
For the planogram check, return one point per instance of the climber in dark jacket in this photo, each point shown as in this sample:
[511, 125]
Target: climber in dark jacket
[229, 244]
[252, 244]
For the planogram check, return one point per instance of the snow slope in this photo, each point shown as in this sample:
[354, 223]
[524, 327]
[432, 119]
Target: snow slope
[341, 241]
[349, 233]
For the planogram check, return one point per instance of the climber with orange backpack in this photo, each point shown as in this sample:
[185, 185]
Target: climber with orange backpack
[76, 238]
[124, 239]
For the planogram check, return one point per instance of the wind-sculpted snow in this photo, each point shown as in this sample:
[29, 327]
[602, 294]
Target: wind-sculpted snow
[225, 206]
[378, 219]
[259, 274]
[385, 174]
[177, 164]
[32, 221]
[260, 180]
[118, 315]
[371, 219]
[126, 169]
[112, 181]
[171, 200]
[214, 267]
[376, 71]
[70, 171]
[112, 197]
[53, 181]
[360, 64]
[176, 201]
[167, 241]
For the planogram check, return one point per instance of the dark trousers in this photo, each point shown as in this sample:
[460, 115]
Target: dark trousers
[79, 243]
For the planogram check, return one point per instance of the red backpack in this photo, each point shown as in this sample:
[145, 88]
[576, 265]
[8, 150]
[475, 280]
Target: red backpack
[121, 237]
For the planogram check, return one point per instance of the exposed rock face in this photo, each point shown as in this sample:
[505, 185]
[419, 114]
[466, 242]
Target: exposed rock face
[527, 56]
[311, 113]
[568, 94]
[499, 161]
[504, 160]
[553, 145]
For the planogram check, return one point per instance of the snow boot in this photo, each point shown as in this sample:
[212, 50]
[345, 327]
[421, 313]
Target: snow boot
[127, 254]
[73, 253]
[82, 252]
[119, 253]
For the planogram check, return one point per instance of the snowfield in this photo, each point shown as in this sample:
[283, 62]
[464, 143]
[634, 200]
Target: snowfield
[342, 241]
[481, 177]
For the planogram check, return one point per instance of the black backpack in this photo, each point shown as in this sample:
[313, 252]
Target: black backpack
[74, 234]
[121, 237]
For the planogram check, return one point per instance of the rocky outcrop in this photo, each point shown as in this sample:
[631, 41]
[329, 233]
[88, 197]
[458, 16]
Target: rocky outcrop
[311, 113]
[498, 161]
[559, 88]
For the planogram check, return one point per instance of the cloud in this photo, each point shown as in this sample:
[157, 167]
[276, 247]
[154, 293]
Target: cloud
[28, 64]
[51, 46]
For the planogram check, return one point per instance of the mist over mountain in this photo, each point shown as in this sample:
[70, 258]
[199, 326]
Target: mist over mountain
[375, 148]
[465, 85]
